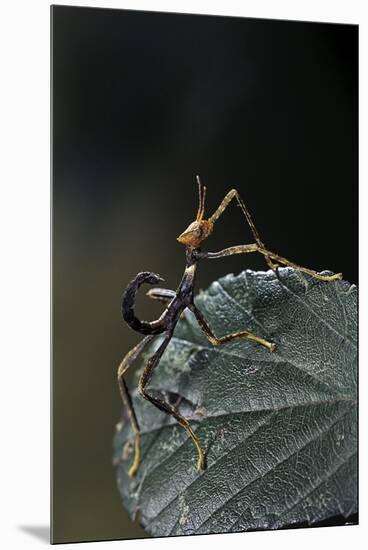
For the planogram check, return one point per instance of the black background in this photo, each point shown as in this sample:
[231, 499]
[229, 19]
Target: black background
[142, 102]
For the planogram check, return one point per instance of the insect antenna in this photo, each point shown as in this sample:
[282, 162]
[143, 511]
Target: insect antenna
[202, 197]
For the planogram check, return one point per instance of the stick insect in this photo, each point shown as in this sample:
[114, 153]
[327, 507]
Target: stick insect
[177, 301]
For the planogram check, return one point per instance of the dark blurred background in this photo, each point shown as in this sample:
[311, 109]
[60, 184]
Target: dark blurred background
[142, 102]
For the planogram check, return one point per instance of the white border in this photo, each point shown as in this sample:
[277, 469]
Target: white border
[25, 287]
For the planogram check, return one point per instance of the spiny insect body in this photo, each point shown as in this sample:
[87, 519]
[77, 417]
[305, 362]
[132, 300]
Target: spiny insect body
[177, 301]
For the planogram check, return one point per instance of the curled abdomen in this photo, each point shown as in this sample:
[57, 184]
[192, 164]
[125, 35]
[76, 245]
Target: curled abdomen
[128, 301]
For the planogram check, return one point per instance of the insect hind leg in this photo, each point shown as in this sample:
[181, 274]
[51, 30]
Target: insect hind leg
[127, 399]
[167, 407]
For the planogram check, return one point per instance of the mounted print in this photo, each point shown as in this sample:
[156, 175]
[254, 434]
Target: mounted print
[205, 271]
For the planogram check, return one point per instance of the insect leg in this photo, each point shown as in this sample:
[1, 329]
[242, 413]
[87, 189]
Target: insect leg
[163, 405]
[164, 295]
[216, 341]
[233, 193]
[246, 248]
[127, 400]
[310, 272]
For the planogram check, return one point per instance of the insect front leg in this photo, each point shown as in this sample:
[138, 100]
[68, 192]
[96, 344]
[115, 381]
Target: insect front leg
[311, 272]
[163, 405]
[233, 193]
[247, 248]
[217, 340]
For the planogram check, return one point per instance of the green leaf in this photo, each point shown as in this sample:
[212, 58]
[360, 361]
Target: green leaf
[279, 429]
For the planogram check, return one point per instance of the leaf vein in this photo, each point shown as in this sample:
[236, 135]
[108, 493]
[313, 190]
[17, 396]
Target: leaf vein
[315, 314]
[270, 470]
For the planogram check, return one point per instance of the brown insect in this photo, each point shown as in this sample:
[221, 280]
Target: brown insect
[177, 301]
